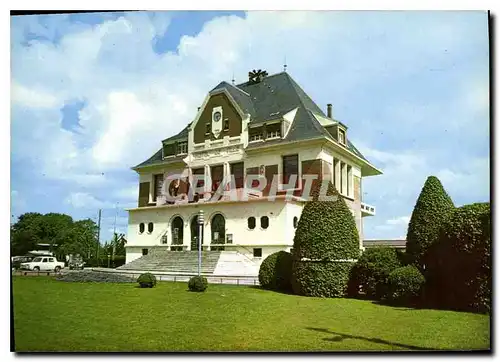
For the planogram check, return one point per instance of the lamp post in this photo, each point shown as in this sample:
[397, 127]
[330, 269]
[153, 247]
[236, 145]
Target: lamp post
[200, 238]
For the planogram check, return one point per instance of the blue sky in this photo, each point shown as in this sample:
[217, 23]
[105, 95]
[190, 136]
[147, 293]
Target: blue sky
[94, 94]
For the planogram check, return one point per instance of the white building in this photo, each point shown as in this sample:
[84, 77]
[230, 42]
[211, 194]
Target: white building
[267, 126]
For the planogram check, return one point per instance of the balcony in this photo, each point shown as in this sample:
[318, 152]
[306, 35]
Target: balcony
[367, 210]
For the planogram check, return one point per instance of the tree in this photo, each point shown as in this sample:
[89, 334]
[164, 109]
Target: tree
[325, 242]
[432, 209]
[459, 269]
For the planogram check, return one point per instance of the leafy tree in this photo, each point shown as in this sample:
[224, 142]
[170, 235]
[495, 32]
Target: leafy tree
[459, 273]
[325, 240]
[432, 209]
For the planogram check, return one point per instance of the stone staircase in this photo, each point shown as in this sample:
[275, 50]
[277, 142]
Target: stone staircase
[180, 262]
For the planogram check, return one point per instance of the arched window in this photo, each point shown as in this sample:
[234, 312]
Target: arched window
[150, 227]
[251, 223]
[195, 232]
[141, 228]
[177, 233]
[264, 222]
[295, 222]
[218, 231]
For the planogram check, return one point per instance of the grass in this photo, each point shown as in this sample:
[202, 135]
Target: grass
[50, 315]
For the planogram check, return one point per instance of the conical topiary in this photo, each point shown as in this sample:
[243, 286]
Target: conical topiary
[432, 209]
[326, 241]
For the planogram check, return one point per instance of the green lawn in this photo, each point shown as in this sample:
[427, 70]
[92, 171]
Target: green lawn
[58, 316]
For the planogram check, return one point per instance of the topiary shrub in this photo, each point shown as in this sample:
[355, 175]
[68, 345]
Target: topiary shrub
[325, 241]
[432, 209]
[459, 273]
[147, 280]
[405, 285]
[371, 271]
[275, 272]
[198, 284]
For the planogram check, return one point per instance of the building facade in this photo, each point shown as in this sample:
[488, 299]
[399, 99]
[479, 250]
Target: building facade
[258, 134]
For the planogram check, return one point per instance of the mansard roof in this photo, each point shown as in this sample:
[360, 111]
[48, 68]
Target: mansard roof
[271, 98]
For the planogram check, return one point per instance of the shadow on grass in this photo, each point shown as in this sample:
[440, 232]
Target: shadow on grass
[339, 337]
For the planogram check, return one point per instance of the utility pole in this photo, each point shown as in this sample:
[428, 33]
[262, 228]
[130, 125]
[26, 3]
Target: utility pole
[98, 236]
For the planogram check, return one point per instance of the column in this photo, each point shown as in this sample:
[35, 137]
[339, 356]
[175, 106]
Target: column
[208, 179]
[336, 172]
[350, 183]
[343, 170]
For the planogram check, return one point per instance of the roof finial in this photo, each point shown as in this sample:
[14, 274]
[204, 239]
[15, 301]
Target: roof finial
[284, 66]
[232, 80]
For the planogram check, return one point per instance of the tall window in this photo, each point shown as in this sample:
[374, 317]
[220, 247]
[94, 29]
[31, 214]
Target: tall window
[150, 227]
[226, 124]
[177, 233]
[264, 222]
[182, 147]
[237, 171]
[208, 128]
[158, 186]
[199, 171]
[217, 173]
[290, 167]
[342, 136]
[251, 223]
[141, 228]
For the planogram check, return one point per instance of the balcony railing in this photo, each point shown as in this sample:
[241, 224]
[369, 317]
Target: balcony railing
[367, 210]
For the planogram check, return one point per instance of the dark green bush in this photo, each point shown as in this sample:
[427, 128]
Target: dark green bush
[432, 209]
[276, 271]
[459, 266]
[146, 280]
[371, 271]
[198, 284]
[405, 285]
[326, 235]
[321, 278]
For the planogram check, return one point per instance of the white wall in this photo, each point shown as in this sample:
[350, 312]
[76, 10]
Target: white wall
[236, 214]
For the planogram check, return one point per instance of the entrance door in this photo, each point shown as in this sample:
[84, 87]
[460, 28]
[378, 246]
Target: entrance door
[195, 233]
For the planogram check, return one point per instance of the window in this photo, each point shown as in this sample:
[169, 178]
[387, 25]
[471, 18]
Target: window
[141, 228]
[150, 227]
[255, 134]
[273, 131]
[144, 251]
[290, 167]
[342, 136]
[208, 128]
[158, 179]
[237, 172]
[182, 147]
[51, 260]
[164, 239]
[251, 223]
[264, 222]
[44, 260]
[217, 174]
[229, 238]
[226, 124]
[257, 252]
[295, 222]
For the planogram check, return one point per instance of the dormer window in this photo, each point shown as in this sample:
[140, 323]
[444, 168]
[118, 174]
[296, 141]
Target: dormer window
[255, 134]
[273, 131]
[182, 148]
[341, 136]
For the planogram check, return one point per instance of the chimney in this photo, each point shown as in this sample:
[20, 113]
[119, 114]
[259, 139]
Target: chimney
[329, 110]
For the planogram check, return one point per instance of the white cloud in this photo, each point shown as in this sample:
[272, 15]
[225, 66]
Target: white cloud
[402, 220]
[32, 97]
[82, 200]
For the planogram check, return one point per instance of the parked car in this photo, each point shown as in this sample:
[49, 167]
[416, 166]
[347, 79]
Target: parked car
[43, 263]
[16, 261]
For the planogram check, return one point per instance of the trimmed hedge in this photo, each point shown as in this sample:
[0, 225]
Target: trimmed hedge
[432, 209]
[321, 278]
[459, 274]
[87, 276]
[326, 229]
[275, 272]
[371, 272]
[405, 285]
[147, 280]
[198, 284]
[326, 233]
